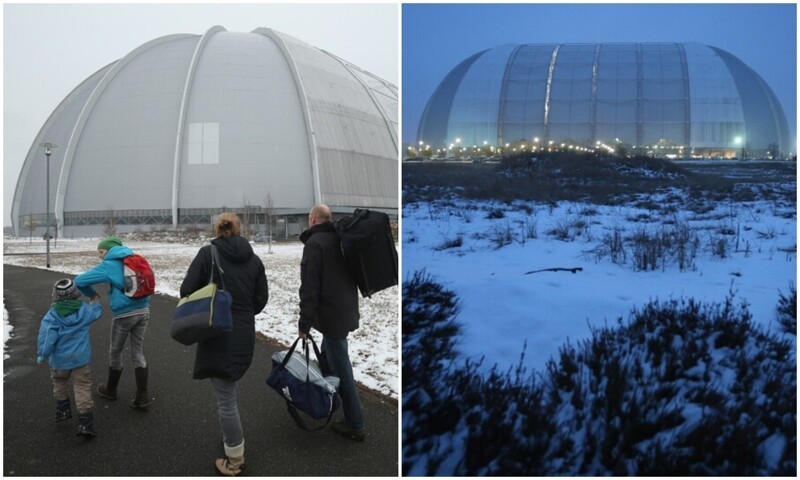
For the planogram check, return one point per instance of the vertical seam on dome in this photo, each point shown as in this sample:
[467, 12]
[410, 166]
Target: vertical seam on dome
[687, 110]
[176, 166]
[550, 70]
[312, 142]
[501, 111]
[88, 106]
[593, 113]
[639, 86]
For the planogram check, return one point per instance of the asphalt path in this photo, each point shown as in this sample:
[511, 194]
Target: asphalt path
[179, 434]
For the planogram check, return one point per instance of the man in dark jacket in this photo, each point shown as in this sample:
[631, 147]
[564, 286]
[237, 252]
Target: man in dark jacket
[329, 303]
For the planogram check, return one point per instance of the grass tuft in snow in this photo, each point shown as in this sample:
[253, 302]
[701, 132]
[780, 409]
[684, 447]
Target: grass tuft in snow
[681, 388]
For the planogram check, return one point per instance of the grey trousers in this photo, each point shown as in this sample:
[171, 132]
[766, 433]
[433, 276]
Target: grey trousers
[121, 327]
[228, 411]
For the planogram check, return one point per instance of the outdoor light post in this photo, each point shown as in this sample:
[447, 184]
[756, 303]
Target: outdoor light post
[48, 149]
[738, 141]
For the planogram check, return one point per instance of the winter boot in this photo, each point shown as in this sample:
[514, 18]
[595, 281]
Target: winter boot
[86, 425]
[63, 411]
[233, 465]
[142, 399]
[109, 390]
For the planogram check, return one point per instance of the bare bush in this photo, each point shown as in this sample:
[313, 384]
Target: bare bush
[719, 246]
[787, 310]
[501, 235]
[530, 227]
[613, 246]
[452, 243]
[647, 250]
[562, 231]
[686, 244]
[495, 213]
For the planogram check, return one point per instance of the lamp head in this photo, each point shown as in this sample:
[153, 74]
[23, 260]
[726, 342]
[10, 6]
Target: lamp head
[48, 147]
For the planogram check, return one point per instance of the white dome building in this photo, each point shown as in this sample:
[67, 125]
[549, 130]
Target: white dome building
[187, 126]
[688, 99]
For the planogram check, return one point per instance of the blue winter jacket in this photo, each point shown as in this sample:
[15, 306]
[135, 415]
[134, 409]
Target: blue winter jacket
[110, 271]
[64, 341]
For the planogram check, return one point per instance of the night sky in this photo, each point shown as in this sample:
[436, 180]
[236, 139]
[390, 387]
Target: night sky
[436, 37]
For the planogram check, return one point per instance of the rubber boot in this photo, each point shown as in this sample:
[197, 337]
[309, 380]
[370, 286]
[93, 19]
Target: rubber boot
[142, 399]
[86, 424]
[109, 390]
[63, 411]
[233, 465]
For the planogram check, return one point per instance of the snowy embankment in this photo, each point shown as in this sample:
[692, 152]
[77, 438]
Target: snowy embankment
[483, 251]
[650, 334]
[373, 347]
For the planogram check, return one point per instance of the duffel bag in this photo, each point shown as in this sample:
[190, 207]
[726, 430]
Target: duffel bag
[299, 380]
[368, 249]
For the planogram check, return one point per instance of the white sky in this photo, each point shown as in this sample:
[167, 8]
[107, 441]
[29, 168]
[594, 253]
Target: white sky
[48, 49]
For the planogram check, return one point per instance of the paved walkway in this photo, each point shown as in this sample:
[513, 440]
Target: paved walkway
[179, 434]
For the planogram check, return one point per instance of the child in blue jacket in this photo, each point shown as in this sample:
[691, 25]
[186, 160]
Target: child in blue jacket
[64, 343]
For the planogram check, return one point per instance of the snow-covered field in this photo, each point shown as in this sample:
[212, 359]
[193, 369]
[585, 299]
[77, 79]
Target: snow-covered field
[373, 347]
[482, 250]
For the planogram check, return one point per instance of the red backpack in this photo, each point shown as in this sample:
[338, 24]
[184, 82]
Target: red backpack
[139, 279]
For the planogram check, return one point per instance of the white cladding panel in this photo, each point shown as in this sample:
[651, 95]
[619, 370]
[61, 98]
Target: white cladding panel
[356, 152]
[386, 95]
[123, 159]
[30, 194]
[716, 107]
[244, 85]
[473, 118]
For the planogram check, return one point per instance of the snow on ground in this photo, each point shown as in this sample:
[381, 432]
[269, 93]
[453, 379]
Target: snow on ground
[501, 307]
[373, 347]
[7, 328]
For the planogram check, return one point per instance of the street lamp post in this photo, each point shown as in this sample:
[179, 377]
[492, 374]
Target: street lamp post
[48, 149]
[739, 143]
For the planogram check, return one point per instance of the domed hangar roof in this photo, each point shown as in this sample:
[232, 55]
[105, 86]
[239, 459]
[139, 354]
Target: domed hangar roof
[187, 125]
[687, 95]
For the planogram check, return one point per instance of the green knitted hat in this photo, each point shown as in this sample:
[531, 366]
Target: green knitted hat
[108, 243]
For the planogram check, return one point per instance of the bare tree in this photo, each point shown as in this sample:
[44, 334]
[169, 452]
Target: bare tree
[30, 225]
[774, 150]
[249, 218]
[245, 216]
[269, 218]
[111, 223]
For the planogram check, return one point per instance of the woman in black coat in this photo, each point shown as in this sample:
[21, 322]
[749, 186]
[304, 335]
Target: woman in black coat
[225, 359]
